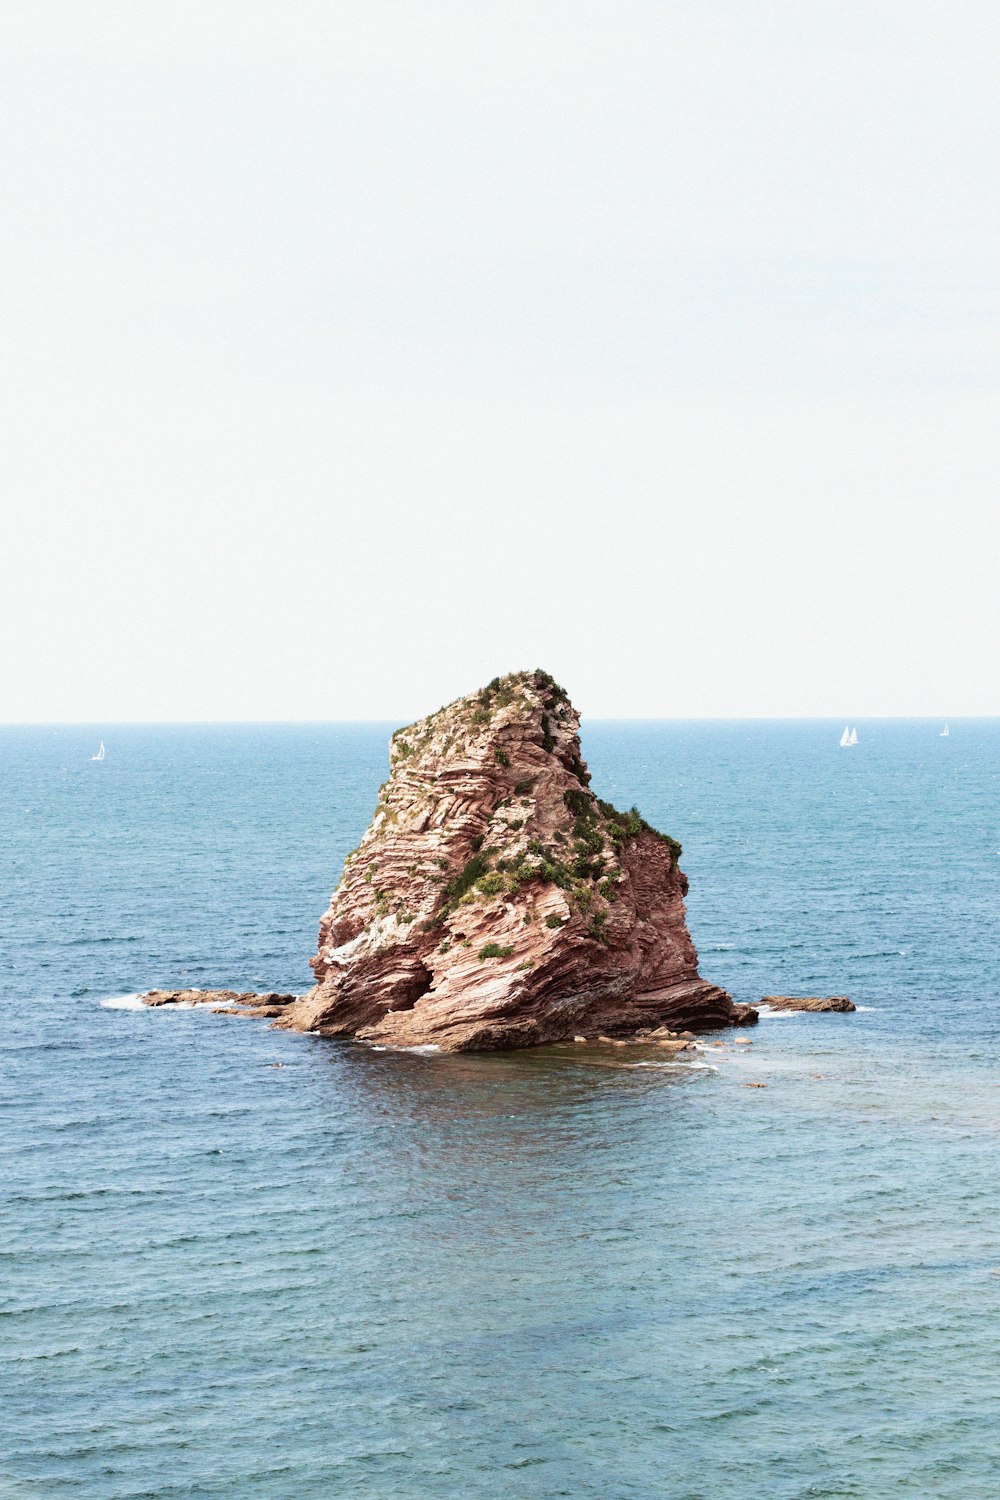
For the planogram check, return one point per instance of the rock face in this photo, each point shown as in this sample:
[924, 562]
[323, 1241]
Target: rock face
[809, 1002]
[495, 902]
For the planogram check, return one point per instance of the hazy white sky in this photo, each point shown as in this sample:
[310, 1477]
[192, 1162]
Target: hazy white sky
[354, 352]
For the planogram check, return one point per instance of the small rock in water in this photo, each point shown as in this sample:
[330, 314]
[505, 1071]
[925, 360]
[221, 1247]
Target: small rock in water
[809, 1002]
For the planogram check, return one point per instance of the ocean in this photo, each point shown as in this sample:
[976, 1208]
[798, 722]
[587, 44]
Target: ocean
[554, 1273]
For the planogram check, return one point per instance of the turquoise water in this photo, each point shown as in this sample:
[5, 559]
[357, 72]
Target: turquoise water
[530, 1275]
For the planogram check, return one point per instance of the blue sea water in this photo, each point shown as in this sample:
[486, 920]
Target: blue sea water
[526, 1275]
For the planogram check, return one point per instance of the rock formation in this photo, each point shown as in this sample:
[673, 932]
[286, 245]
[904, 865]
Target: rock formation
[496, 902]
[809, 1002]
[224, 1002]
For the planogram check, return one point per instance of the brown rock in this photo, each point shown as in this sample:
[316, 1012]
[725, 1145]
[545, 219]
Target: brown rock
[494, 902]
[809, 1002]
[224, 1002]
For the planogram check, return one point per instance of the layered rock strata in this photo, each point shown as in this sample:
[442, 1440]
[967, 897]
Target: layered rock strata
[809, 1002]
[495, 902]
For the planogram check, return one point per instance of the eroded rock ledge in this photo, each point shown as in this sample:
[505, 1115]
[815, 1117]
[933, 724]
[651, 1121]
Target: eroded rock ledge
[224, 1002]
[809, 1002]
[496, 902]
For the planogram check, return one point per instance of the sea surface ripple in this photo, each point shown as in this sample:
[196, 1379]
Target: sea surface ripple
[533, 1275]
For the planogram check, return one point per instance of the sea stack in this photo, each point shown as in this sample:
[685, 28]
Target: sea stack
[495, 902]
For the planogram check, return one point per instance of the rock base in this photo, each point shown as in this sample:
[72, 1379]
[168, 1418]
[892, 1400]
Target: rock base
[696, 1010]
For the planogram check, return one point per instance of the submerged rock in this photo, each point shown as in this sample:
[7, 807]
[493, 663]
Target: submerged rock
[495, 902]
[809, 1002]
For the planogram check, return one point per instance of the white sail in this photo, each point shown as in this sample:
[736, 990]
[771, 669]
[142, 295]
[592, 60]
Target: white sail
[854, 737]
[944, 732]
[845, 738]
[100, 752]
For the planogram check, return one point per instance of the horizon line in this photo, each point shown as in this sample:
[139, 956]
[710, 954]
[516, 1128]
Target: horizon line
[588, 718]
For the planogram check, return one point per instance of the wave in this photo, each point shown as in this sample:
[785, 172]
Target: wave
[700, 1067]
[767, 1014]
[426, 1050]
[136, 1002]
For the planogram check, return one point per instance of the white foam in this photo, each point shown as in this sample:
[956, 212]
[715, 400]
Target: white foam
[388, 1047]
[136, 1002]
[767, 1014]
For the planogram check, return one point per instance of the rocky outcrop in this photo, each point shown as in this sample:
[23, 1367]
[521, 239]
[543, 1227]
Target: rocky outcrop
[225, 1002]
[809, 1002]
[496, 902]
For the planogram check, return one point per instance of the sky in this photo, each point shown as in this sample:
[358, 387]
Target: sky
[353, 353]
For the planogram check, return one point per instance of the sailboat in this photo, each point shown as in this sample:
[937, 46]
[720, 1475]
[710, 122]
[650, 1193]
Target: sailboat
[100, 752]
[854, 737]
[944, 733]
[845, 738]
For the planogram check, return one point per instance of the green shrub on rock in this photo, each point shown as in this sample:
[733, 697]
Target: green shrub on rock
[579, 803]
[459, 884]
[495, 950]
